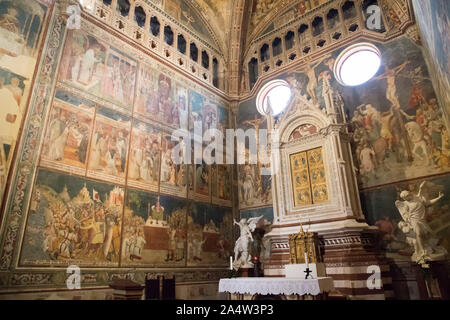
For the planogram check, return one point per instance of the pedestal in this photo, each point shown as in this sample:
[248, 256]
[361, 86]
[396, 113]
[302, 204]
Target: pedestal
[127, 290]
[349, 256]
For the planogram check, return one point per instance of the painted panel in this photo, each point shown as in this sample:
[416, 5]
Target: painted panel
[154, 230]
[109, 146]
[21, 29]
[173, 176]
[144, 168]
[159, 98]
[318, 176]
[72, 221]
[255, 189]
[210, 238]
[301, 179]
[68, 133]
[94, 66]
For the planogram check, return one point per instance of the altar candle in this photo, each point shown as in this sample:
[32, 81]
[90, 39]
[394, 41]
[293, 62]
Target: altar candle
[306, 259]
[231, 263]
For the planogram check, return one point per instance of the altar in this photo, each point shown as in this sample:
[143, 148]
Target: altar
[287, 288]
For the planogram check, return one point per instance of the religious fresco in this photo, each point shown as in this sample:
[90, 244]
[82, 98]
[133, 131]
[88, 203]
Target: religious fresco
[220, 10]
[162, 99]
[154, 230]
[88, 152]
[380, 210]
[196, 105]
[433, 18]
[200, 180]
[72, 221]
[69, 129]
[302, 131]
[184, 14]
[221, 184]
[173, 176]
[261, 8]
[211, 114]
[144, 167]
[21, 30]
[210, 237]
[255, 188]
[109, 146]
[95, 67]
[397, 124]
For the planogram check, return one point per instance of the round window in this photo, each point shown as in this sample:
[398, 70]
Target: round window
[273, 98]
[357, 64]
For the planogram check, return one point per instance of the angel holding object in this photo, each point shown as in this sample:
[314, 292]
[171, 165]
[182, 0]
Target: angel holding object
[241, 255]
[413, 210]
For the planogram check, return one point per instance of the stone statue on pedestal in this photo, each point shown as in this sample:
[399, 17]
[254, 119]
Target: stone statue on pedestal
[242, 259]
[414, 225]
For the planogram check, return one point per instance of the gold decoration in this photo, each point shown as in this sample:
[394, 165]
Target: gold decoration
[309, 180]
[304, 242]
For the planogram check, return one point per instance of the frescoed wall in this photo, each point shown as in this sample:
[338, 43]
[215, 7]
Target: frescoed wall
[183, 13]
[22, 26]
[434, 22]
[255, 188]
[73, 221]
[154, 230]
[104, 191]
[107, 142]
[210, 239]
[398, 127]
[399, 137]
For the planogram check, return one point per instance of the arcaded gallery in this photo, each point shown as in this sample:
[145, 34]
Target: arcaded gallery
[224, 150]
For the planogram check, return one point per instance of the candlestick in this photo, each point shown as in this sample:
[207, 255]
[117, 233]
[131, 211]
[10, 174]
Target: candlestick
[231, 263]
[306, 259]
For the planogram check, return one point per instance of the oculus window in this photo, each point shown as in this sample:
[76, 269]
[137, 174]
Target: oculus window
[357, 64]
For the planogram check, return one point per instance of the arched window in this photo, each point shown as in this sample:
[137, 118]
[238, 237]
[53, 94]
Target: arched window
[349, 10]
[181, 44]
[289, 40]
[123, 7]
[194, 52]
[332, 18]
[155, 26]
[276, 47]
[168, 35]
[140, 16]
[318, 26]
[273, 98]
[264, 52]
[205, 59]
[370, 7]
[253, 71]
[302, 31]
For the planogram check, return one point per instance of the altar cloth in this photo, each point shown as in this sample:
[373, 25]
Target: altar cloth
[276, 286]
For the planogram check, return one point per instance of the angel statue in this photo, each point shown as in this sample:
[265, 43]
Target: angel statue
[413, 210]
[241, 257]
